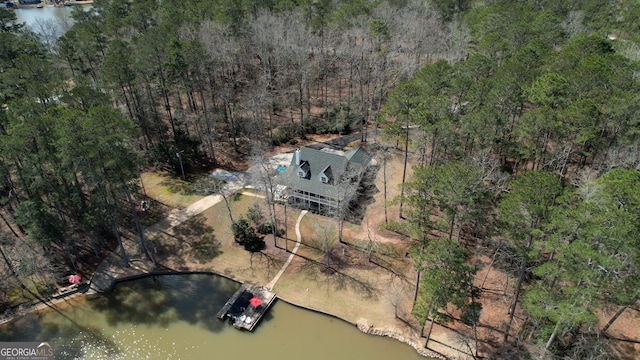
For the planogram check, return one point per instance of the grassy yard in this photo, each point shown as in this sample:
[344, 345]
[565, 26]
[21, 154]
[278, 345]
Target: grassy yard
[354, 288]
[168, 190]
[351, 293]
[182, 246]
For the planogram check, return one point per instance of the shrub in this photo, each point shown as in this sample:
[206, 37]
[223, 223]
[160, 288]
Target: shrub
[255, 214]
[245, 235]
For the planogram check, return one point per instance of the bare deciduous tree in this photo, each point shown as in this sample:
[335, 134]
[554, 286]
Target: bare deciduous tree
[263, 173]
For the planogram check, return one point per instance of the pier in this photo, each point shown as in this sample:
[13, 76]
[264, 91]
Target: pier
[247, 306]
[71, 290]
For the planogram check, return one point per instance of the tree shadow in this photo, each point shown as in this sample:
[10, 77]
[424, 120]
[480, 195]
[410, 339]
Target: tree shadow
[167, 299]
[342, 280]
[365, 196]
[191, 240]
[272, 262]
[626, 348]
[152, 211]
[337, 280]
[374, 259]
[178, 186]
[485, 345]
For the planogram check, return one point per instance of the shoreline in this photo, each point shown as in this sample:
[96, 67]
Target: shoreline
[48, 4]
[111, 271]
[362, 325]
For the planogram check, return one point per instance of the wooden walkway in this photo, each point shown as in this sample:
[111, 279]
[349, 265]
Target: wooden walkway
[238, 309]
[71, 290]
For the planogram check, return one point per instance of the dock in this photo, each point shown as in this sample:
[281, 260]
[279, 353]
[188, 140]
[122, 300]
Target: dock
[71, 290]
[247, 306]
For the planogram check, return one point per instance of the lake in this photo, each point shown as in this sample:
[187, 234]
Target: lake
[173, 316]
[48, 19]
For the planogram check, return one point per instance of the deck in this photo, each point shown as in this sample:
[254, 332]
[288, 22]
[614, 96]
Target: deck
[71, 289]
[239, 310]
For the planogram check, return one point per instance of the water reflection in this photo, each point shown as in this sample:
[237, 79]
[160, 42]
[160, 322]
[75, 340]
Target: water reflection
[46, 20]
[162, 301]
[174, 317]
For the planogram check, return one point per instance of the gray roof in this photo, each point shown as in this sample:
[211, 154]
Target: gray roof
[358, 156]
[317, 162]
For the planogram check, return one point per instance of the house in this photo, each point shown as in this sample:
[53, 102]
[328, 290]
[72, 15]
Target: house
[320, 179]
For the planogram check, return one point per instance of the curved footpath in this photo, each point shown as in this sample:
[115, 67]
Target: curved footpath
[273, 282]
[111, 269]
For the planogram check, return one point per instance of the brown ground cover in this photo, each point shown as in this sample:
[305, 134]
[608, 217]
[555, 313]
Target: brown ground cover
[376, 291]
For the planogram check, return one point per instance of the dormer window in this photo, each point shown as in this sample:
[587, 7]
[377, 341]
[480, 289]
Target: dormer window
[303, 170]
[326, 175]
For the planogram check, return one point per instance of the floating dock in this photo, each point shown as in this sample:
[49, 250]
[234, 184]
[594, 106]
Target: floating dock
[247, 306]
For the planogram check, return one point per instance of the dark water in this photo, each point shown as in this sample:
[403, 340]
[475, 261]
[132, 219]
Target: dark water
[173, 317]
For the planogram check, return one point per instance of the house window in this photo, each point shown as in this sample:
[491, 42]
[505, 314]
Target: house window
[325, 180]
[301, 173]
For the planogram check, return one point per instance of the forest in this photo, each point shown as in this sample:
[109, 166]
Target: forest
[520, 119]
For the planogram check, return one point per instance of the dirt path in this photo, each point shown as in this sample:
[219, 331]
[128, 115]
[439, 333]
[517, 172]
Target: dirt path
[111, 269]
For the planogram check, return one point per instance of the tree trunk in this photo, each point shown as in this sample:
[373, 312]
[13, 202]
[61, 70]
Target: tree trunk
[415, 294]
[340, 222]
[552, 337]
[433, 320]
[232, 123]
[226, 202]
[404, 170]
[453, 223]
[165, 96]
[543, 155]
[433, 147]
[286, 239]
[384, 182]
[9, 226]
[475, 337]
[207, 120]
[123, 253]
[126, 101]
[613, 319]
[512, 310]
[301, 103]
[138, 226]
[268, 184]
[493, 259]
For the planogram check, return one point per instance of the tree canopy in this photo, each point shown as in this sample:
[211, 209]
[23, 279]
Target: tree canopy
[520, 117]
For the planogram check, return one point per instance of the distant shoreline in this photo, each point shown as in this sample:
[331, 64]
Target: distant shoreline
[49, 4]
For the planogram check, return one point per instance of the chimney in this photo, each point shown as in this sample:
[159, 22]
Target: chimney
[297, 155]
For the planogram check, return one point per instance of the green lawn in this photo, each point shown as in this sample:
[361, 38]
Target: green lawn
[171, 191]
